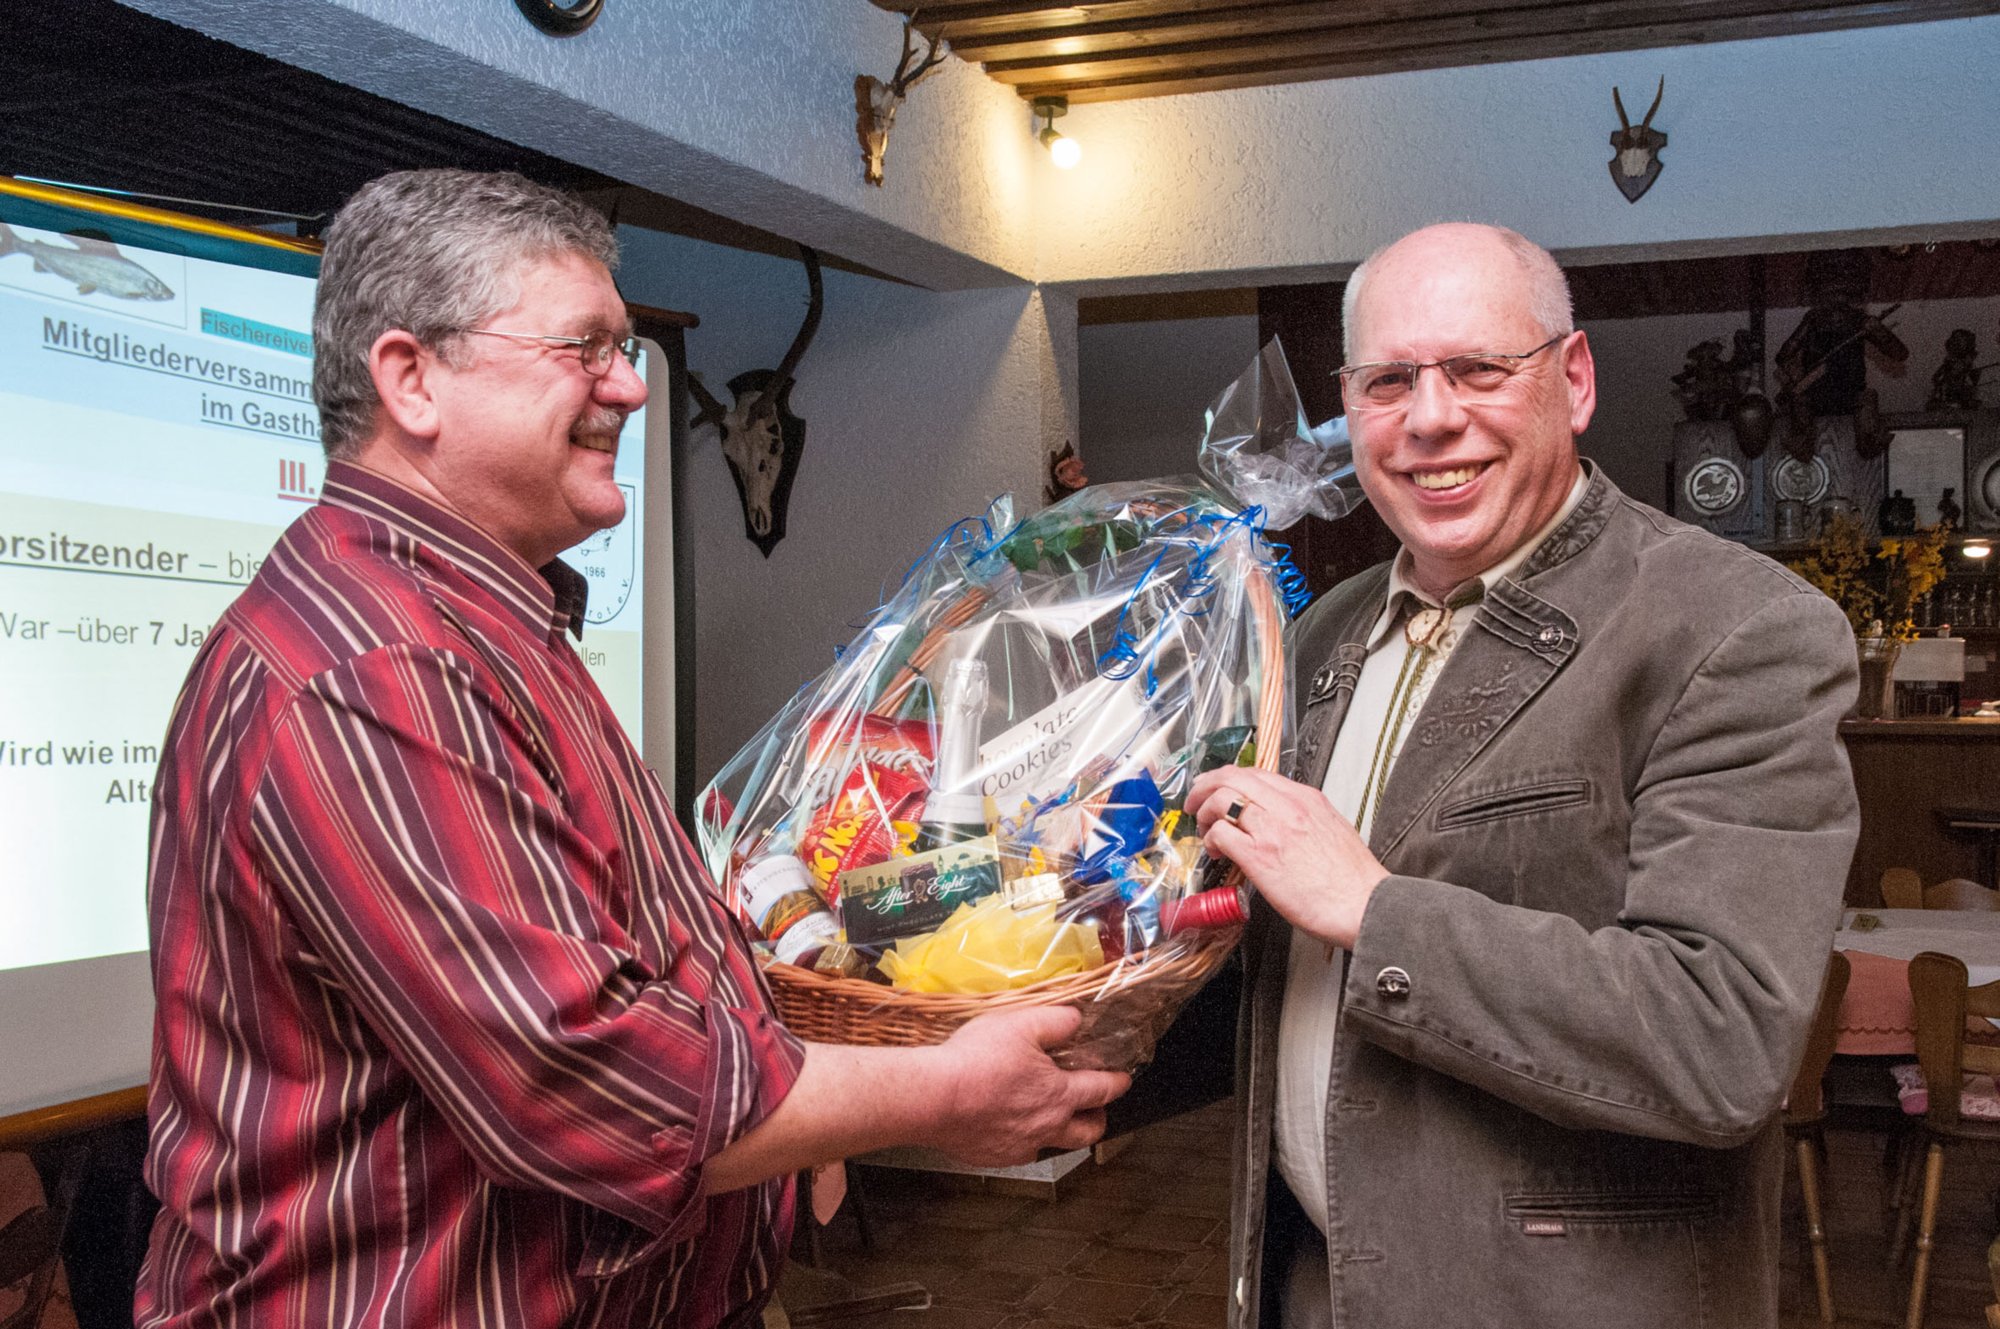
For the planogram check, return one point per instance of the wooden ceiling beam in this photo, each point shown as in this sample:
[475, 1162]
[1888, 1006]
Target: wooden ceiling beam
[1001, 39]
[1586, 28]
[1104, 50]
[1143, 33]
[1223, 75]
[1043, 13]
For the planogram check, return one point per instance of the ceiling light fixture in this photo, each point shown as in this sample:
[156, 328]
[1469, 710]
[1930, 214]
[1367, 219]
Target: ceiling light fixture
[1977, 549]
[1064, 151]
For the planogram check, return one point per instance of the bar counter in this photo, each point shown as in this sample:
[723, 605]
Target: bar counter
[1906, 772]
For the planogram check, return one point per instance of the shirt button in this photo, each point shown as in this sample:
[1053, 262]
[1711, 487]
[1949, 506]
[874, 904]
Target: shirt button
[1393, 983]
[1549, 635]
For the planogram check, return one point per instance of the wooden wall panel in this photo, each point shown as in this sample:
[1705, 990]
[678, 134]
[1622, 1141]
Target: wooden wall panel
[1903, 772]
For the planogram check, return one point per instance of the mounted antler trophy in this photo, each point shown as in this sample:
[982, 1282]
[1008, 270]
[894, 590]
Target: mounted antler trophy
[875, 102]
[1637, 164]
[761, 439]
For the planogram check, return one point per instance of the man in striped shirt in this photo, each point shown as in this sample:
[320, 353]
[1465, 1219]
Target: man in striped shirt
[452, 1029]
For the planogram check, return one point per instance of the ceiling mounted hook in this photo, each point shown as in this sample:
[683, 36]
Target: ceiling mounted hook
[560, 20]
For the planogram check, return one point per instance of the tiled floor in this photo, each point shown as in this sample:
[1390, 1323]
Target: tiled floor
[1142, 1241]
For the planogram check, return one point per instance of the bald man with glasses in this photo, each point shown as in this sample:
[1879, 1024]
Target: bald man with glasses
[1544, 906]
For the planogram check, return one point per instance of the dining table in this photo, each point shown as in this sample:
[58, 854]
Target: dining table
[1876, 1017]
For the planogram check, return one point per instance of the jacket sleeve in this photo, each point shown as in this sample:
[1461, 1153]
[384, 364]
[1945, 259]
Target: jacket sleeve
[418, 842]
[1685, 1020]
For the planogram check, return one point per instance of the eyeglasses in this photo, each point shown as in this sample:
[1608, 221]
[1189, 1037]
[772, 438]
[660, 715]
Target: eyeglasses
[596, 348]
[1390, 382]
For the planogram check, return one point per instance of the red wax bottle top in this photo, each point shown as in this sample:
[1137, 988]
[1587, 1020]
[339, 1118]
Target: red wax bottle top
[1206, 909]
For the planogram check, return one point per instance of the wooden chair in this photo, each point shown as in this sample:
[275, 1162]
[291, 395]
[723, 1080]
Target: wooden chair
[1939, 991]
[1902, 888]
[1805, 1118]
[1961, 893]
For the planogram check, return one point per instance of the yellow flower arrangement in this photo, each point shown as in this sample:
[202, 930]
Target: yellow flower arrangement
[1878, 589]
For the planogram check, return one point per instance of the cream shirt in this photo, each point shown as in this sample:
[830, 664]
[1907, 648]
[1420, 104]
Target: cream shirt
[1370, 739]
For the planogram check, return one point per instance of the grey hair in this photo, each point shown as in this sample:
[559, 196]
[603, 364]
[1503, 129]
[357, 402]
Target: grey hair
[430, 252]
[1548, 289]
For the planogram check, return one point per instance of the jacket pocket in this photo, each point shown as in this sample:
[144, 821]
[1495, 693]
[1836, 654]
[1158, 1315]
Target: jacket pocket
[1546, 796]
[1637, 1259]
[1552, 1213]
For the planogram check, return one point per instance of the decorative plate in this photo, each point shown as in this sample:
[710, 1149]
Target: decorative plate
[1806, 481]
[1714, 487]
[1988, 488]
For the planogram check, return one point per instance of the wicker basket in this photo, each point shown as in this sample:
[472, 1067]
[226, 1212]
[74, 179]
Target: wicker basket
[1126, 1007]
[1126, 1004]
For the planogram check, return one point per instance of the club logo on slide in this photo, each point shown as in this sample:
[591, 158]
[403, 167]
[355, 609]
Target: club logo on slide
[84, 267]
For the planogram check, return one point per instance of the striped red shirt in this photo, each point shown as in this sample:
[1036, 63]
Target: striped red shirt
[449, 1014]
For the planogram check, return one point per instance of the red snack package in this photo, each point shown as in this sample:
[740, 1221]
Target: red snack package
[872, 815]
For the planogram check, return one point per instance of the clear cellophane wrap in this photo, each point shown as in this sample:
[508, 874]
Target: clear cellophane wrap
[979, 803]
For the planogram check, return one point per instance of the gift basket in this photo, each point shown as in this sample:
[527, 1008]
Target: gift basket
[979, 804]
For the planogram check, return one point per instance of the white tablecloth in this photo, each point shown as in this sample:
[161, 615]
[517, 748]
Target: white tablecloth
[1903, 934]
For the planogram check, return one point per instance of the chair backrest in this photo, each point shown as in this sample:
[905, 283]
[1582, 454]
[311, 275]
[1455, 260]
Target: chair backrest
[1961, 893]
[1805, 1102]
[30, 1247]
[1902, 888]
[1942, 1000]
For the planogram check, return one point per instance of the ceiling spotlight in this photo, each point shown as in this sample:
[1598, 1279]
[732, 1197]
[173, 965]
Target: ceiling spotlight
[1064, 151]
[1977, 549]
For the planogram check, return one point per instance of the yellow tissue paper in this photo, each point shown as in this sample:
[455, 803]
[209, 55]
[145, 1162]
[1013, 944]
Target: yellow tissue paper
[993, 947]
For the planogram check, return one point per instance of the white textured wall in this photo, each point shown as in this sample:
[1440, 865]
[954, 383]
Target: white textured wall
[1879, 129]
[743, 107]
[920, 407]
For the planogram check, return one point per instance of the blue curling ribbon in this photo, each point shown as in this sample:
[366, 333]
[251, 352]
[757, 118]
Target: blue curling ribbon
[1127, 655]
[1291, 583]
[1293, 592]
[974, 532]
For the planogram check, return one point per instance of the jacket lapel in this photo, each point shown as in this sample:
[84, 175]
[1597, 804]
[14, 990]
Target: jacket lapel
[1330, 689]
[1331, 694]
[1515, 644]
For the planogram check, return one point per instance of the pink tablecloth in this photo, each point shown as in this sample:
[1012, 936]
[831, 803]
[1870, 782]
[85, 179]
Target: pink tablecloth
[1876, 1017]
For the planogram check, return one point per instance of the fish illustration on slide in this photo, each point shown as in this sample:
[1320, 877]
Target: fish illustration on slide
[94, 265]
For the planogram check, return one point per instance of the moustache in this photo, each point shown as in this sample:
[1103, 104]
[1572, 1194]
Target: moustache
[599, 431]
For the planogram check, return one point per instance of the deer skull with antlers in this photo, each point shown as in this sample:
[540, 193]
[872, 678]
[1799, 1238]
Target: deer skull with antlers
[1637, 164]
[875, 101]
[761, 439]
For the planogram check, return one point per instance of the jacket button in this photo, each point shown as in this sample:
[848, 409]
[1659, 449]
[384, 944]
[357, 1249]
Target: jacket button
[1549, 635]
[1393, 983]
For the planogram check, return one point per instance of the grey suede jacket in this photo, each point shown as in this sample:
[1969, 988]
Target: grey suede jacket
[1618, 834]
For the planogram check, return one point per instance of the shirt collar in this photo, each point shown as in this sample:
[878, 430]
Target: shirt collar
[1402, 580]
[548, 600]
